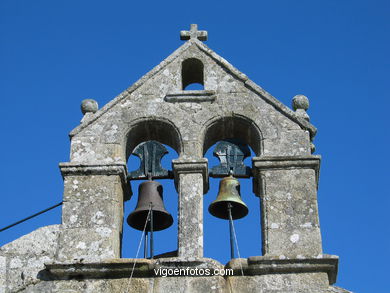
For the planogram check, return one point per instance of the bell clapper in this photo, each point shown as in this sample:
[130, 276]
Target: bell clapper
[150, 220]
[146, 245]
[229, 206]
[151, 231]
[149, 226]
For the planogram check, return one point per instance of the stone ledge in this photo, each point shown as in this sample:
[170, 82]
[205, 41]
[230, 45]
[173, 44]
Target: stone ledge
[260, 265]
[69, 168]
[145, 268]
[191, 167]
[121, 268]
[284, 163]
[191, 96]
[77, 169]
[192, 262]
[100, 270]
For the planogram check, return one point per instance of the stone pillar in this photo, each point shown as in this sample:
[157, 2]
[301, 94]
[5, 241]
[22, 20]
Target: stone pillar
[288, 190]
[92, 212]
[191, 180]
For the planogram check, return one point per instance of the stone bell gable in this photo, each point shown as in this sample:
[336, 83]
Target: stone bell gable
[159, 96]
[85, 255]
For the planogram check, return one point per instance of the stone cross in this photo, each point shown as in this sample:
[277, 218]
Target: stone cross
[193, 33]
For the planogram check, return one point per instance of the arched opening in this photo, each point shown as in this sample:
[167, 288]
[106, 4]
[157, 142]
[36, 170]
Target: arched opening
[162, 131]
[165, 241]
[167, 134]
[248, 229]
[233, 127]
[192, 74]
[216, 231]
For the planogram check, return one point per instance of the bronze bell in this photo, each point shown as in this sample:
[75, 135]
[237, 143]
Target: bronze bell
[150, 193]
[229, 192]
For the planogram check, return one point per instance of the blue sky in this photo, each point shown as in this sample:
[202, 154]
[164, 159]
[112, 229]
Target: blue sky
[53, 54]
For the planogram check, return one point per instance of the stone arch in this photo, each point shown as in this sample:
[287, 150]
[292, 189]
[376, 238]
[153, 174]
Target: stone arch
[159, 129]
[144, 129]
[248, 132]
[235, 126]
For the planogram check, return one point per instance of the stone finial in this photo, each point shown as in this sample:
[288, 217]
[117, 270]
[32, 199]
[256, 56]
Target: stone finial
[300, 104]
[193, 33]
[89, 106]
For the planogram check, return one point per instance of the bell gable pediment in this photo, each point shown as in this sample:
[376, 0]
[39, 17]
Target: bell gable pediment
[223, 84]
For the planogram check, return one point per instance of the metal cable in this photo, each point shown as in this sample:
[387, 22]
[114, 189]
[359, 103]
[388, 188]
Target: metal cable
[139, 247]
[238, 250]
[30, 217]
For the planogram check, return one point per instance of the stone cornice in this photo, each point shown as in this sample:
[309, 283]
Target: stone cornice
[69, 168]
[191, 96]
[256, 265]
[108, 269]
[261, 265]
[284, 163]
[121, 268]
[180, 166]
[79, 169]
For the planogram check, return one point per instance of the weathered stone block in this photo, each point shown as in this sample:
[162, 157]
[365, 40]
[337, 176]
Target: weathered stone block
[293, 243]
[291, 214]
[22, 260]
[3, 272]
[190, 208]
[91, 188]
[38, 242]
[89, 244]
[195, 284]
[290, 184]
[192, 150]
[92, 213]
[23, 272]
[278, 283]
[288, 143]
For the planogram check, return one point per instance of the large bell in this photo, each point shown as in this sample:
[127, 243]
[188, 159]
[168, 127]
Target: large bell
[150, 193]
[229, 192]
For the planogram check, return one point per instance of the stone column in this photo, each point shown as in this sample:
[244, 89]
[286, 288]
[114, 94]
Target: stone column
[92, 212]
[288, 190]
[191, 180]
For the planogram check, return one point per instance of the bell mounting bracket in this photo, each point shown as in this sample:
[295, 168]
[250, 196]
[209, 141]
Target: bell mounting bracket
[150, 153]
[231, 154]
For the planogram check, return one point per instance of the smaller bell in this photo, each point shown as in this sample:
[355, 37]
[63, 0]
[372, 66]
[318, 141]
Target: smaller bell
[150, 193]
[229, 192]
